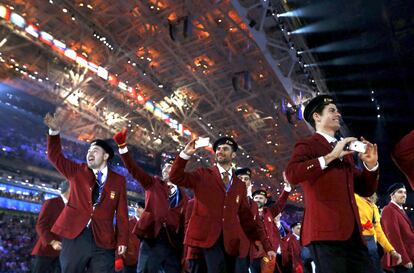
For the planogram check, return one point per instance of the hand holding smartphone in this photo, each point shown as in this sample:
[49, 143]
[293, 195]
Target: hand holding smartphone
[202, 142]
[357, 146]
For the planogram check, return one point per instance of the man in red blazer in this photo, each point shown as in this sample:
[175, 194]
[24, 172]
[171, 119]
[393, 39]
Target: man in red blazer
[97, 195]
[329, 177]
[48, 246]
[267, 215]
[403, 155]
[161, 226]
[399, 230]
[132, 253]
[220, 207]
[291, 257]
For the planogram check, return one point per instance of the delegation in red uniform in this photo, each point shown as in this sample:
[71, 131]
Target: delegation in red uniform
[403, 155]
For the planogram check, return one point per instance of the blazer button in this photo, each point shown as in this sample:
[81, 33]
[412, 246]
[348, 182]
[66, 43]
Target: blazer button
[90, 188]
[223, 219]
[224, 206]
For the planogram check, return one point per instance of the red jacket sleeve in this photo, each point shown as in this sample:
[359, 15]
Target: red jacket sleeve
[137, 172]
[65, 166]
[254, 230]
[122, 216]
[365, 182]
[403, 155]
[302, 166]
[44, 224]
[181, 178]
[278, 207]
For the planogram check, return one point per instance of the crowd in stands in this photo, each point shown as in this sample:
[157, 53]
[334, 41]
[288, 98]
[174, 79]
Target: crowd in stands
[31, 197]
[17, 236]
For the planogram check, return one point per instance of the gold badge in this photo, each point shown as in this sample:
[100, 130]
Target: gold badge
[269, 219]
[237, 199]
[112, 195]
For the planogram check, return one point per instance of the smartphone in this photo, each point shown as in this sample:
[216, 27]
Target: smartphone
[357, 146]
[202, 142]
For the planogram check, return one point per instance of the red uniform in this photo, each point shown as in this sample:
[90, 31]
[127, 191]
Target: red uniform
[291, 255]
[400, 232]
[131, 256]
[77, 213]
[272, 232]
[216, 211]
[331, 211]
[50, 211]
[157, 211]
[403, 155]
[191, 253]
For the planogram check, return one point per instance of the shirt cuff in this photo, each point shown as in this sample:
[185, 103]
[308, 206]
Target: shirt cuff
[53, 132]
[185, 156]
[322, 162]
[123, 150]
[373, 169]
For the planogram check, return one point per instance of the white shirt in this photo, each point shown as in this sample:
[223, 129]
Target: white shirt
[399, 206]
[331, 139]
[65, 201]
[223, 172]
[104, 173]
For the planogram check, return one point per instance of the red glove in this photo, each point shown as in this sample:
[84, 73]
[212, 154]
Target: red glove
[119, 264]
[120, 138]
[299, 268]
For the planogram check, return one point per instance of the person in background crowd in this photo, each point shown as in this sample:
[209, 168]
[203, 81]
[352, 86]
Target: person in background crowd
[161, 226]
[291, 257]
[372, 230]
[47, 248]
[220, 207]
[399, 231]
[329, 178]
[97, 195]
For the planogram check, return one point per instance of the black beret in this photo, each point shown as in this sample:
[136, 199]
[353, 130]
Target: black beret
[294, 224]
[242, 171]
[167, 161]
[141, 204]
[225, 140]
[63, 186]
[394, 187]
[261, 192]
[104, 145]
[314, 104]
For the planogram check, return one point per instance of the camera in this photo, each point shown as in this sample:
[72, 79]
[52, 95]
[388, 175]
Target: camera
[357, 146]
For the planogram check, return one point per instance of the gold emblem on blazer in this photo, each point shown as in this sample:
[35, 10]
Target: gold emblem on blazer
[238, 199]
[112, 196]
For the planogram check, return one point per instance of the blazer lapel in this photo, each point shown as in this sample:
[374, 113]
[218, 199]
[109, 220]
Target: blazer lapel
[322, 141]
[218, 179]
[400, 211]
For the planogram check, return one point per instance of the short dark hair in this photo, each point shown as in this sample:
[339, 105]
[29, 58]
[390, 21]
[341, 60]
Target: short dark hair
[318, 110]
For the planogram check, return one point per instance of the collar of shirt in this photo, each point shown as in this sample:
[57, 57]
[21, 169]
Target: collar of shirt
[328, 138]
[64, 199]
[400, 207]
[222, 170]
[104, 173]
[296, 236]
[136, 217]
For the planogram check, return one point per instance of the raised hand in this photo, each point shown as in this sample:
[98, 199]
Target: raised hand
[120, 138]
[339, 151]
[370, 157]
[52, 121]
[190, 147]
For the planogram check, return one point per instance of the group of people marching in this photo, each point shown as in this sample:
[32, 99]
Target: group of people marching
[227, 227]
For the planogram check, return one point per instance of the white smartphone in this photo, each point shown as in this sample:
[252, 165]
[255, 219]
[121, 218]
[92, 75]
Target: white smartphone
[357, 146]
[202, 142]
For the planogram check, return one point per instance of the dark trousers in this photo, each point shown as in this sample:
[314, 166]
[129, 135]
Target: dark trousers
[242, 265]
[349, 256]
[44, 264]
[217, 260]
[402, 269]
[129, 269]
[197, 266]
[373, 253]
[255, 266]
[158, 255]
[82, 253]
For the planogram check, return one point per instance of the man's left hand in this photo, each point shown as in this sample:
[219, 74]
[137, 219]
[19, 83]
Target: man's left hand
[370, 157]
[271, 254]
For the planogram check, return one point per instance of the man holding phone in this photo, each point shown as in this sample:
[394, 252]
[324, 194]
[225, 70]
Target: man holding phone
[329, 177]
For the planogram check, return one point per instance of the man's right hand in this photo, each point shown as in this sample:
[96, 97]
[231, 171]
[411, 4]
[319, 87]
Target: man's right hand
[52, 121]
[409, 265]
[339, 151]
[190, 147]
[56, 245]
[120, 138]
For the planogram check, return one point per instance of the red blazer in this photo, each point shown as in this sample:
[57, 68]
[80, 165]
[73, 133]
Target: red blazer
[76, 214]
[50, 211]
[191, 253]
[403, 156]
[331, 211]
[272, 232]
[157, 207]
[291, 256]
[215, 211]
[400, 232]
[131, 256]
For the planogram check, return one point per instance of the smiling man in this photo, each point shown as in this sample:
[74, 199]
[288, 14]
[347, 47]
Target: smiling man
[97, 195]
[399, 230]
[329, 177]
